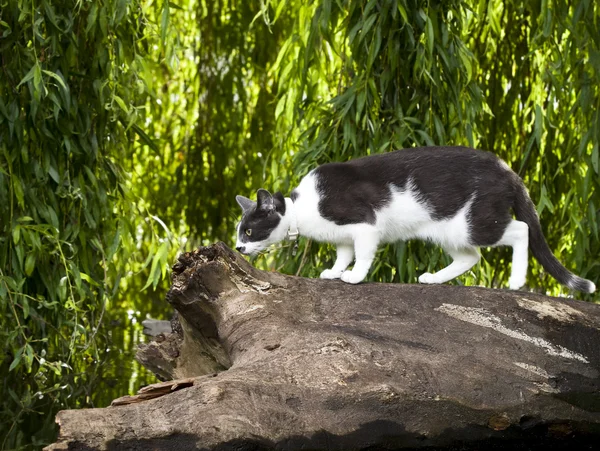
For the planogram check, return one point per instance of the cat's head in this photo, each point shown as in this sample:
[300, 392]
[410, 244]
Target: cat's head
[261, 223]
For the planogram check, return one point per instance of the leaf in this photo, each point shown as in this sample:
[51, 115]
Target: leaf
[374, 47]
[354, 31]
[161, 256]
[175, 6]
[547, 22]
[164, 22]
[544, 201]
[62, 290]
[88, 279]
[155, 270]
[162, 224]
[29, 264]
[91, 177]
[145, 138]
[51, 15]
[103, 21]
[114, 245]
[259, 14]
[402, 10]
[53, 173]
[282, 53]
[29, 75]
[37, 77]
[360, 103]
[17, 359]
[595, 158]
[430, 37]
[426, 138]
[121, 103]
[76, 275]
[18, 190]
[57, 78]
[9, 282]
[120, 10]
[25, 305]
[28, 356]
[284, 75]
[92, 16]
[467, 65]
[97, 244]
[279, 10]
[53, 218]
[16, 234]
[367, 26]
[280, 106]
[19, 251]
[538, 128]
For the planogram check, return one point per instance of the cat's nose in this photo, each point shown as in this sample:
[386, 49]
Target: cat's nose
[240, 249]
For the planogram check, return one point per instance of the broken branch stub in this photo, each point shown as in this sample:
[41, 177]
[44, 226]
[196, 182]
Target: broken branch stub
[287, 362]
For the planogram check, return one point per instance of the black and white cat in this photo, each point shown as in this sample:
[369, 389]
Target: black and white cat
[457, 197]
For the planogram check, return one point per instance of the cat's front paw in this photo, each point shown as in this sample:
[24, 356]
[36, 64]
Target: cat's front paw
[330, 274]
[352, 277]
[516, 283]
[428, 278]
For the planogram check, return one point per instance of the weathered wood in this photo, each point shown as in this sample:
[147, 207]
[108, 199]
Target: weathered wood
[293, 363]
[154, 391]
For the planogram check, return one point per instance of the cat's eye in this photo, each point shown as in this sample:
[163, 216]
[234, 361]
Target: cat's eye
[248, 232]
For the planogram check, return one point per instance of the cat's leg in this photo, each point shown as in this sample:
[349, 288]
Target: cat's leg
[516, 235]
[463, 260]
[345, 254]
[365, 246]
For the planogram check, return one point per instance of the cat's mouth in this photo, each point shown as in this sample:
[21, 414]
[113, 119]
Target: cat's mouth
[249, 249]
[242, 250]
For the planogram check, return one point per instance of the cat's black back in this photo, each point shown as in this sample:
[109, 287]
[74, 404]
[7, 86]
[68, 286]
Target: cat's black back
[445, 178]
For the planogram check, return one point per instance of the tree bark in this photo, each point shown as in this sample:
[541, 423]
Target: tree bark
[292, 363]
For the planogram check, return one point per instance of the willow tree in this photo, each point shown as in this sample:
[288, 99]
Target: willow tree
[70, 103]
[540, 72]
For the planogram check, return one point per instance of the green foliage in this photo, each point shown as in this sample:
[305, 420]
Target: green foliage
[127, 127]
[69, 101]
[542, 83]
[211, 113]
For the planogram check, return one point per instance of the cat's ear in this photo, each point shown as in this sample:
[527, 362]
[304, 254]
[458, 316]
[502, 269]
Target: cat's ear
[245, 203]
[265, 200]
[279, 202]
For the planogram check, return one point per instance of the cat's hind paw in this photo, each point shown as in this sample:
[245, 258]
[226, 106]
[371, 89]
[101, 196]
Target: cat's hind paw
[352, 277]
[428, 278]
[330, 274]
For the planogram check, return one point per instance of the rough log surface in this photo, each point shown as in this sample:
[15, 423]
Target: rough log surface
[292, 363]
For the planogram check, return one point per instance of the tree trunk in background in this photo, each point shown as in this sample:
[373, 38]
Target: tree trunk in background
[294, 363]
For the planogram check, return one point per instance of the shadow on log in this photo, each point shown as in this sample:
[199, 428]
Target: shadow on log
[292, 363]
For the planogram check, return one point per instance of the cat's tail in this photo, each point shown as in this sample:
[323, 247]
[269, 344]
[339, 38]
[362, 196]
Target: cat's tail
[525, 211]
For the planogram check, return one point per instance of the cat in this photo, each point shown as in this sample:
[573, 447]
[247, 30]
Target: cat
[457, 197]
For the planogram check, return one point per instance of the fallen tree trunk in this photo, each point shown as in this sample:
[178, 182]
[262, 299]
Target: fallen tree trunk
[294, 363]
